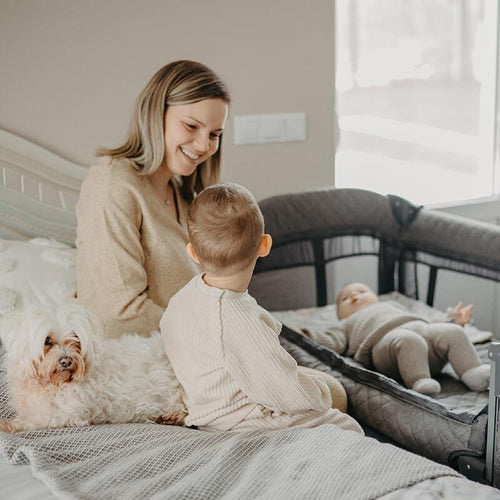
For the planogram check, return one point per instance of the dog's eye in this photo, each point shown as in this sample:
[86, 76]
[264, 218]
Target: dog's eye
[48, 341]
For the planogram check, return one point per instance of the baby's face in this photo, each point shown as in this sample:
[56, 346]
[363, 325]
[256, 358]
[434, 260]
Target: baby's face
[354, 297]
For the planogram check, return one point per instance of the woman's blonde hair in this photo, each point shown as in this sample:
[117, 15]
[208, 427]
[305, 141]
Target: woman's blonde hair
[177, 83]
[225, 227]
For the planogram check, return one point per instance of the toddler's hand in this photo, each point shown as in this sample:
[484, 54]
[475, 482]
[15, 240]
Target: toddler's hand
[462, 314]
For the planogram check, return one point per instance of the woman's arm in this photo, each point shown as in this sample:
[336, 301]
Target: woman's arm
[112, 280]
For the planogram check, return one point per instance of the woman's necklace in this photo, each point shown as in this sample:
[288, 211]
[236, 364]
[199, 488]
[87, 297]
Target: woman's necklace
[167, 200]
[170, 200]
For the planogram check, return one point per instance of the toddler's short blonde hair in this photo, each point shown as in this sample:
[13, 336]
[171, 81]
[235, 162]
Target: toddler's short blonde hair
[225, 227]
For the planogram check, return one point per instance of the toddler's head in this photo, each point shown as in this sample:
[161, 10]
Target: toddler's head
[354, 297]
[225, 228]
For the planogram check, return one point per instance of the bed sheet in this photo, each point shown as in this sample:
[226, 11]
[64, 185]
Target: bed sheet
[18, 483]
[444, 487]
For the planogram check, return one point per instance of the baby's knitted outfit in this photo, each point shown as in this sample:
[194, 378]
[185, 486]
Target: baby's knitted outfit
[358, 333]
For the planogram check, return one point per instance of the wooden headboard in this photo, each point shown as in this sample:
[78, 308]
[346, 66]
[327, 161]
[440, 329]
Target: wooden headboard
[38, 191]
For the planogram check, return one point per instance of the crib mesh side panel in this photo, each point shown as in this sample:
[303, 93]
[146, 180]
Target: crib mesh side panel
[314, 228]
[346, 246]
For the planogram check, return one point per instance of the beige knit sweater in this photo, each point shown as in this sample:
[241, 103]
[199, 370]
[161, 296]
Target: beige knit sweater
[131, 252]
[357, 334]
[225, 351]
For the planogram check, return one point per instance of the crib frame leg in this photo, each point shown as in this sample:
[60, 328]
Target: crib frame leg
[491, 436]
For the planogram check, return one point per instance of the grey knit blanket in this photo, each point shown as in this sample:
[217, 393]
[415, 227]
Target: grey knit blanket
[131, 461]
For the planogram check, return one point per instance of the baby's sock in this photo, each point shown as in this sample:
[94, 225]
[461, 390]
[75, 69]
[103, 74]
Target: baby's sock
[477, 379]
[427, 386]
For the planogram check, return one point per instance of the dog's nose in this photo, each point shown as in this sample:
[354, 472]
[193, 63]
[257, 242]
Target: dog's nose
[66, 361]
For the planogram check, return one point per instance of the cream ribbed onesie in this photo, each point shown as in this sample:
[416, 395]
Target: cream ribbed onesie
[234, 373]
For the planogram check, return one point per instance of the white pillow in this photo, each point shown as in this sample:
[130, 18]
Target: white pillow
[38, 271]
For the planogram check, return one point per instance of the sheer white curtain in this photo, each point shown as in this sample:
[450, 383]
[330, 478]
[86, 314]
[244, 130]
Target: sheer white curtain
[417, 98]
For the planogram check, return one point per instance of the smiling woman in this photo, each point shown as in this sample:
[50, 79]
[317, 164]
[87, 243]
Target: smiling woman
[131, 232]
[192, 136]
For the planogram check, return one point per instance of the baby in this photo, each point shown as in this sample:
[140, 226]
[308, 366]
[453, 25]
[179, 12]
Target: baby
[400, 344]
[223, 347]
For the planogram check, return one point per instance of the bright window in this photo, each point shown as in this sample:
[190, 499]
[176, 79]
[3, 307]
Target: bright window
[416, 98]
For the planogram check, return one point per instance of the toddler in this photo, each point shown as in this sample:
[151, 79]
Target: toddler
[223, 347]
[400, 344]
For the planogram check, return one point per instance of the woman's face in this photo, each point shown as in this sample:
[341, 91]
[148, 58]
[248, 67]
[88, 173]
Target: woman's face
[192, 134]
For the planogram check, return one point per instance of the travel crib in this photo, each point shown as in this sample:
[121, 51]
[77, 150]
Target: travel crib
[403, 249]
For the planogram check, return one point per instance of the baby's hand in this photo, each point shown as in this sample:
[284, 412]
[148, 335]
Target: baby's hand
[303, 331]
[462, 314]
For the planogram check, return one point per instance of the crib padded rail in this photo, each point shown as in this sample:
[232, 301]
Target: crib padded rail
[313, 228]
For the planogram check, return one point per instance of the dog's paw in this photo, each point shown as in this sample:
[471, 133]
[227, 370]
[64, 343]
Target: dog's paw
[4, 426]
[171, 419]
[11, 426]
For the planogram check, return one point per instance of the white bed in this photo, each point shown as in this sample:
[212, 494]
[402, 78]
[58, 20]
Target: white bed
[38, 193]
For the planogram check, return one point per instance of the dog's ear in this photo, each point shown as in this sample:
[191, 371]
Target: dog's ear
[85, 325]
[41, 322]
[94, 331]
[12, 325]
[15, 336]
[4, 327]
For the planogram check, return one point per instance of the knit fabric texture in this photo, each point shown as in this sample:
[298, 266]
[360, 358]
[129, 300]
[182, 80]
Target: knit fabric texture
[131, 252]
[357, 334]
[226, 353]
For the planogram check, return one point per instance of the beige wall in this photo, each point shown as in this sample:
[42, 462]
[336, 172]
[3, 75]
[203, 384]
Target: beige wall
[71, 70]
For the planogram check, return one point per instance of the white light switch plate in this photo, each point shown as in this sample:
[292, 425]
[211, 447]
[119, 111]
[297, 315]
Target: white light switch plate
[258, 129]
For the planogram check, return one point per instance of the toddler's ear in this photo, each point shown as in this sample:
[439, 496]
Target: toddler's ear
[265, 245]
[191, 252]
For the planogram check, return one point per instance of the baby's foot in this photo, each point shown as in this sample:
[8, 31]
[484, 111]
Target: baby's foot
[477, 379]
[427, 386]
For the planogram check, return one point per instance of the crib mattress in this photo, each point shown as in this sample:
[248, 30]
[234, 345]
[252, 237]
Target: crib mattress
[439, 427]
